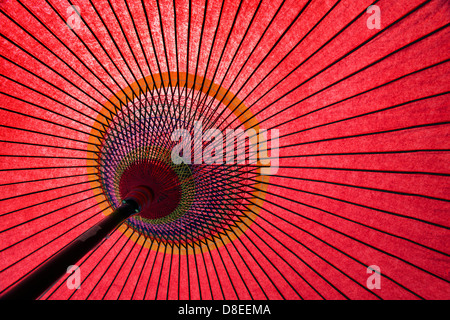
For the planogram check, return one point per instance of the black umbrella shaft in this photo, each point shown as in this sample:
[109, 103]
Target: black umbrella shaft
[41, 279]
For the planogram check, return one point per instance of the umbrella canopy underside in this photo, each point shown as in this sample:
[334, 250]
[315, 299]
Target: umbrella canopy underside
[91, 92]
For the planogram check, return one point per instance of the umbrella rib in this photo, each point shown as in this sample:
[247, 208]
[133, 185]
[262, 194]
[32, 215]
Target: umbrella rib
[219, 61]
[65, 219]
[132, 267]
[188, 50]
[303, 245]
[49, 50]
[342, 233]
[176, 45]
[213, 42]
[148, 66]
[341, 80]
[49, 135]
[247, 266]
[46, 179]
[326, 242]
[106, 52]
[113, 42]
[365, 170]
[207, 273]
[179, 276]
[330, 65]
[288, 264]
[39, 249]
[156, 253]
[369, 188]
[83, 260]
[170, 271]
[43, 145]
[142, 269]
[72, 52]
[127, 42]
[312, 251]
[187, 271]
[104, 255]
[354, 221]
[153, 43]
[182, 107]
[364, 206]
[48, 82]
[363, 92]
[121, 54]
[226, 270]
[164, 44]
[231, 230]
[345, 99]
[202, 102]
[259, 64]
[274, 251]
[223, 264]
[237, 269]
[116, 255]
[160, 272]
[48, 201]
[346, 235]
[41, 93]
[121, 266]
[47, 168]
[197, 273]
[256, 45]
[359, 116]
[43, 157]
[365, 153]
[49, 189]
[46, 109]
[209, 104]
[144, 54]
[275, 268]
[327, 87]
[373, 133]
[198, 55]
[44, 245]
[297, 272]
[347, 54]
[98, 61]
[216, 273]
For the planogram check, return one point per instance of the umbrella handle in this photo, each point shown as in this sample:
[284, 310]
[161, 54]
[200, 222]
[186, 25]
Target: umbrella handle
[44, 277]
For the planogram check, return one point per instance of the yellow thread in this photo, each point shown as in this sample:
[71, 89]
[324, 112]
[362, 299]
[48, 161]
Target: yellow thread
[240, 111]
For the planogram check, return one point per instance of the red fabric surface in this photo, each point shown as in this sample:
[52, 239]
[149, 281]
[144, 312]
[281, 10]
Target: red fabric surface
[351, 190]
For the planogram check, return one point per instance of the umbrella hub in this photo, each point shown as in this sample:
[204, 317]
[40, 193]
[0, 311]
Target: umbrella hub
[197, 205]
[159, 177]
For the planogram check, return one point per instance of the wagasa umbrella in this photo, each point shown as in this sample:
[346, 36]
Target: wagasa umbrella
[343, 192]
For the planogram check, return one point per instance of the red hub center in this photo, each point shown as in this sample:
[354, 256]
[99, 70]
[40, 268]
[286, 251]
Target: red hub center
[161, 179]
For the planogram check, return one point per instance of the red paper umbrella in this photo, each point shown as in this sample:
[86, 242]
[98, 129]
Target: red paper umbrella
[341, 191]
